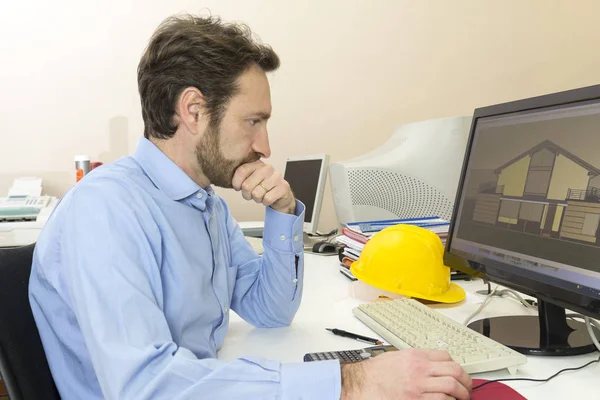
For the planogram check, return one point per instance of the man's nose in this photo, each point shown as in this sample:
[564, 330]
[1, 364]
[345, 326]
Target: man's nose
[261, 144]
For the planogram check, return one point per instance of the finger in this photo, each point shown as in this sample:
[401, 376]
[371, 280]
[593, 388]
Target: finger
[437, 355]
[243, 172]
[258, 193]
[251, 183]
[451, 369]
[269, 182]
[448, 386]
[258, 176]
[436, 396]
[274, 195]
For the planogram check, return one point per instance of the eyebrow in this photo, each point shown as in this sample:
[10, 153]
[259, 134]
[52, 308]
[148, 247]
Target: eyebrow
[262, 115]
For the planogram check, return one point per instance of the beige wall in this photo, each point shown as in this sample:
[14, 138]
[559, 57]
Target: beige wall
[351, 71]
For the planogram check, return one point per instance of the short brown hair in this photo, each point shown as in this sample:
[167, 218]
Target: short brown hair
[201, 52]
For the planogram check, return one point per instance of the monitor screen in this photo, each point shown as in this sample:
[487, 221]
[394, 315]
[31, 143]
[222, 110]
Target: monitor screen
[530, 199]
[303, 177]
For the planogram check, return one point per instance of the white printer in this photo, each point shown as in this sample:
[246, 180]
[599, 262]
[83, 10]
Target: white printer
[24, 212]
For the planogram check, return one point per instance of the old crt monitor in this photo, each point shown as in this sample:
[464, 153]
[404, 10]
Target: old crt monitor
[414, 174]
[527, 215]
[306, 176]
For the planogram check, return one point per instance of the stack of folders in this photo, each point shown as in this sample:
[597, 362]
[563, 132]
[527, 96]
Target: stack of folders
[356, 234]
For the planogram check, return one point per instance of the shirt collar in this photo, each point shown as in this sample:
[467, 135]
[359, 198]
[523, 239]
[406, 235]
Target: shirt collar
[165, 174]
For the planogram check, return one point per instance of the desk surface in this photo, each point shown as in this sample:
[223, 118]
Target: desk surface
[328, 303]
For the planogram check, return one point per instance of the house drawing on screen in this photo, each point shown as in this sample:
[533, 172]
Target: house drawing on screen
[546, 191]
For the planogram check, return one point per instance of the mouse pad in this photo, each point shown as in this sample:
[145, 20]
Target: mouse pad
[494, 391]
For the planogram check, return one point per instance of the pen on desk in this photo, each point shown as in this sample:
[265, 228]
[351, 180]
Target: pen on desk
[339, 332]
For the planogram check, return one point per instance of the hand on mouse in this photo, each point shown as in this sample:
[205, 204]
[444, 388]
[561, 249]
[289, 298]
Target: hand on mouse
[406, 374]
[262, 183]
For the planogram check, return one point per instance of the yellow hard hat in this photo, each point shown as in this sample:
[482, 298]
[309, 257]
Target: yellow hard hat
[408, 260]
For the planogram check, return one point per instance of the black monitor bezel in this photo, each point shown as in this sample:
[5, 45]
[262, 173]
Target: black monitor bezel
[572, 296]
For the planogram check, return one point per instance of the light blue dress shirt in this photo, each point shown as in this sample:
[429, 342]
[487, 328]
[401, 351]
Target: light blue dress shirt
[133, 278]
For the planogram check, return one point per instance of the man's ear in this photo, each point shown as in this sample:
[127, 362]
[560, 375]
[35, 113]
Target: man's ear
[190, 110]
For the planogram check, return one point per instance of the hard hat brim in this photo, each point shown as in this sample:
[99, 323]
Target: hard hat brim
[454, 294]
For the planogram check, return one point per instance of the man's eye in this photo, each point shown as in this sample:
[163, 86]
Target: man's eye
[253, 122]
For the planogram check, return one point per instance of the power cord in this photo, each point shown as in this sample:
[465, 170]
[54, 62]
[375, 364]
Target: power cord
[537, 380]
[481, 307]
[526, 302]
[588, 322]
[532, 304]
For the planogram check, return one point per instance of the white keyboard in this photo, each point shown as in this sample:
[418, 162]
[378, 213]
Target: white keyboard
[406, 323]
[256, 244]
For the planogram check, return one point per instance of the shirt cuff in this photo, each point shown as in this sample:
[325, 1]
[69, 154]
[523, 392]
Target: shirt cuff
[283, 231]
[311, 380]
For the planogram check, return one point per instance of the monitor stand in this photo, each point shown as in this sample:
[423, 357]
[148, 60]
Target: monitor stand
[550, 334]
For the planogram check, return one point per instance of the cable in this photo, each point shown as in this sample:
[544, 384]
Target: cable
[537, 380]
[588, 322]
[501, 293]
[531, 305]
[516, 295]
[481, 307]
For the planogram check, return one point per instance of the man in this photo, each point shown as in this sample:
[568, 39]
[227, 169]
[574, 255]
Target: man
[134, 275]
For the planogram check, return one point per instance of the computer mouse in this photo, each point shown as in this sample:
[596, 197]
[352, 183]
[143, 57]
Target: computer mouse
[324, 247]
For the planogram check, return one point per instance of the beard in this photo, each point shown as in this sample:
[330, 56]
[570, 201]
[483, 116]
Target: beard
[216, 167]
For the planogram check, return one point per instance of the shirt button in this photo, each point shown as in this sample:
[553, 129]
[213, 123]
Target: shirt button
[282, 237]
[296, 238]
[199, 195]
[295, 280]
[225, 310]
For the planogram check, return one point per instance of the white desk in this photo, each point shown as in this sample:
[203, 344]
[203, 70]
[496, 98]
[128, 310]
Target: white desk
[327, 304]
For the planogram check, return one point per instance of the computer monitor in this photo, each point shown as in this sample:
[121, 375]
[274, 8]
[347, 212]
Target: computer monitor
[306, 176]
[533, 223]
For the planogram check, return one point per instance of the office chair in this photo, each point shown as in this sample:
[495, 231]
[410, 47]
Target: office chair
[23, 363]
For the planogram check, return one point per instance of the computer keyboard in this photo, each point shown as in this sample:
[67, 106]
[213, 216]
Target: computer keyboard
[256, 243]
[406, 323]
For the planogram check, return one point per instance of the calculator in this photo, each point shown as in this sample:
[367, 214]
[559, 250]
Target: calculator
[349, 356]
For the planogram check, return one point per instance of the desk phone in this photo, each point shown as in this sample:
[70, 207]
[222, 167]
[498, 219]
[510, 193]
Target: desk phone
[24, 200]
[22, 207]
[349, 356]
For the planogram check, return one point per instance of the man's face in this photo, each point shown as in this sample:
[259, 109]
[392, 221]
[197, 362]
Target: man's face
[241, 137]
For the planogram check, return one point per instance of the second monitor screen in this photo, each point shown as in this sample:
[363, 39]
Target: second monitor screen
[303, 177]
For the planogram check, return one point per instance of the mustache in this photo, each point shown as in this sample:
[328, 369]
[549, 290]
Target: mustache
[250, 158]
